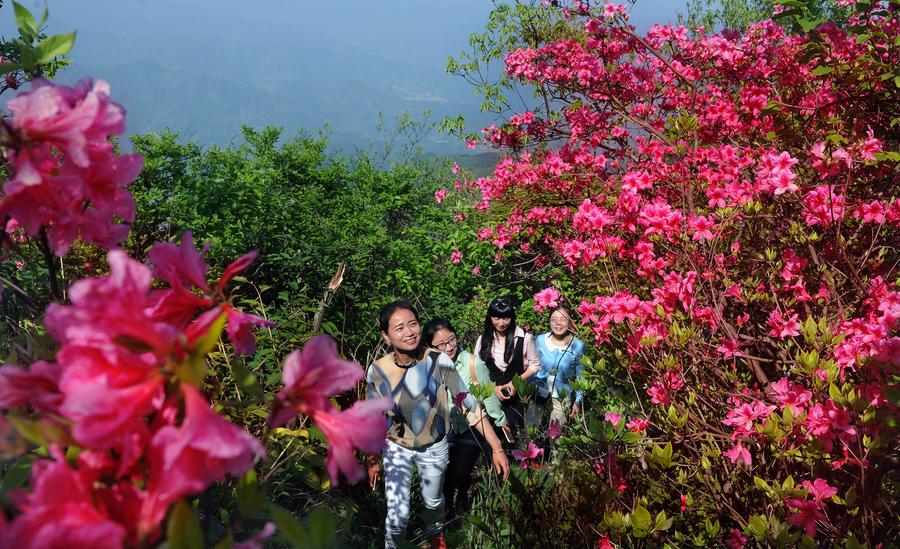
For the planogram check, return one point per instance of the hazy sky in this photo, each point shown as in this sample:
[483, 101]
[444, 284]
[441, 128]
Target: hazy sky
[207, 66]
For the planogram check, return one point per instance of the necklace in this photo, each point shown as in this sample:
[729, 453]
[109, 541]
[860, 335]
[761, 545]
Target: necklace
[404, 366]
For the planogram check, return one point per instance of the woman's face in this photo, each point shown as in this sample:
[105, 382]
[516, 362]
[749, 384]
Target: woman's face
[559, 323]
[445, 341]
[403, 331]
[500, 324]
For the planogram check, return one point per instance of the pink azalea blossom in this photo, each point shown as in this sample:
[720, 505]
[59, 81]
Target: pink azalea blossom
[783, 327]
[743, 417]
[701, 226]
[440, 195]
[108, 392]
[184, 268]
[613, 418]
[532, 453]
[311, 377]
[456, 257]
[820, 490]
[807, 515]
[60, 511]
[790, 394]
[737, 540]
[638, 425]
[185, 459]
[36, 386]
[739, 453]
[362, 426]
[730, 348]
[548, 297]
[658, 393]
[554, 431]
[111, 308]
[79, 192]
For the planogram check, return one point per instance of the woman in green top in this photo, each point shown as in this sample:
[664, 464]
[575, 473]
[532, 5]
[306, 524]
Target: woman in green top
[467, 444]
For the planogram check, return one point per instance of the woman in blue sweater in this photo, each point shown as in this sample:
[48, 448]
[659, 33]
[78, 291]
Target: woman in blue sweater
[560, 353]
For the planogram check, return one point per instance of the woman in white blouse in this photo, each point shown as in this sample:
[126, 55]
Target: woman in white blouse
[508, 351]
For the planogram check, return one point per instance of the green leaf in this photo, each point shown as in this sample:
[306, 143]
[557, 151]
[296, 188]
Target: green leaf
[322, 528]
[763, 485]
[836, 395]
[5, 68]
[290, 528]
[184, 529]
[630, 437]
[249, 497]
[226, 542]
[640, 521]
[788, 483]
[662, 522]
[808, 25]
[28, 27]
[55, 46]
[758, 527]
[821, 70]
[17, 475]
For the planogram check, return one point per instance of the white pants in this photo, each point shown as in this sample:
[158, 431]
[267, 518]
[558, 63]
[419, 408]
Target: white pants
[398, 468]
[559, 411]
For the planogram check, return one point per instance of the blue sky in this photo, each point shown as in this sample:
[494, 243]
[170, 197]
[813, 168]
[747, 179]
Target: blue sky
[204, 67]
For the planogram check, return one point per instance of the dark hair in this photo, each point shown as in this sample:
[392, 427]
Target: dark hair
[500, 307]
[384, 317]
[562, 308]
[435, 324]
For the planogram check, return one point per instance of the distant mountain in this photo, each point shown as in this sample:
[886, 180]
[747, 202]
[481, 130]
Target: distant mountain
[203, 98]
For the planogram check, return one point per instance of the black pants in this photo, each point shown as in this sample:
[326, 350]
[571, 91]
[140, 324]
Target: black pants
[514, 409]
[466, 448]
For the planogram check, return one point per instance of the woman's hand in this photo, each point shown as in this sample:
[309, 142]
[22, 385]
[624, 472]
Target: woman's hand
[507, 431]
[374, 471]
[506, 391]
[501, 463]
[576, 409]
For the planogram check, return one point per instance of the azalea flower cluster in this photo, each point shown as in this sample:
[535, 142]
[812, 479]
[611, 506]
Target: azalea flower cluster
[67, 179]
[125, 389]
[673, 173]
[121, 409]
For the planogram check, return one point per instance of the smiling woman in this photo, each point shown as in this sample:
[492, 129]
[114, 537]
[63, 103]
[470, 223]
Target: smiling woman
[418, 380]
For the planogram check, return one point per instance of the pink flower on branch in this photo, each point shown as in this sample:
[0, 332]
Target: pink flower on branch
[548, 297]
[36, 386]
[807, 515]
[185, 269]
[730, 348]
[530, 454]
[820, 490]
[60, 511]
[67, 177]
[187, 458]
[362, 426]
[739, 453]
[638, 425]
[311, 377]
[783, 327]
[109, 391]
[613, 418]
